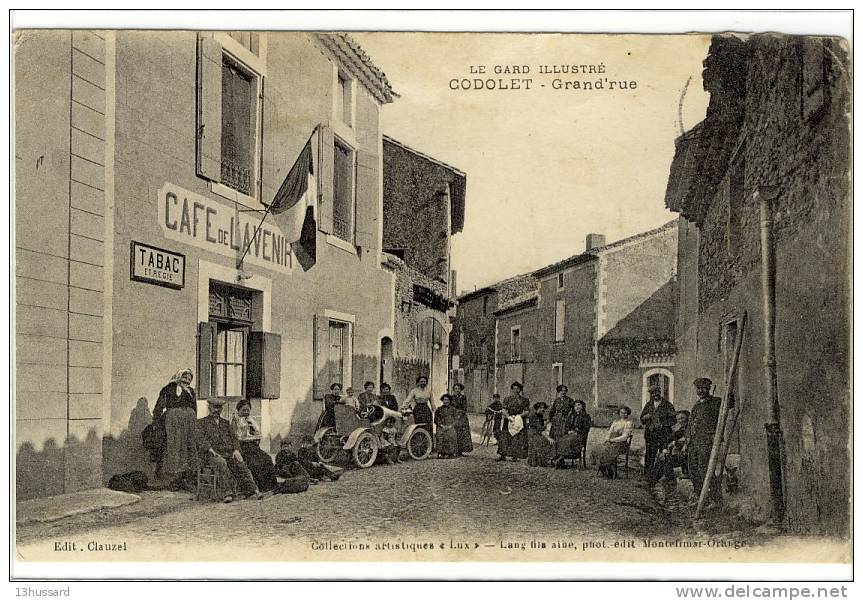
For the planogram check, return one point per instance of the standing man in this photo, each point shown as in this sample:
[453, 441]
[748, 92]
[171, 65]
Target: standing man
[657, 418]
[511, 446]
[699, 438]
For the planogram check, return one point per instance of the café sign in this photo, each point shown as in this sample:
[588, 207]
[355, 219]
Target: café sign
[157, 266]
[199, 221]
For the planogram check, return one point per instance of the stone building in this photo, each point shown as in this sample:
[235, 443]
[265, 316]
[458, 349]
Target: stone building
[777, 129]
[472, 339]
[424, 203]
[142, 161]
[600, 322]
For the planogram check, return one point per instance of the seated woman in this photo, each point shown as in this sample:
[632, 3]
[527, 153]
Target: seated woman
[615, 442]
[446, 439]
[248, 434]
[574, 442]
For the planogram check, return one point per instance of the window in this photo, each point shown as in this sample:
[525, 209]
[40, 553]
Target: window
[337, 345]
[557, 373]
[231, 69]
[560, 281]
[515, 343]
[483, 350]
[250, 40]
[229, 362]
[344, 99]
[559, 318]
[238, 126]
[333, 346]
[484, 306]
[230, 310]
[343, 192]
[661, 380]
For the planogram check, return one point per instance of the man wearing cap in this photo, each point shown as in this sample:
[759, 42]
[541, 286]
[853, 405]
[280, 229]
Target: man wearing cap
[699, 437]
[657, 418]
[220, 449]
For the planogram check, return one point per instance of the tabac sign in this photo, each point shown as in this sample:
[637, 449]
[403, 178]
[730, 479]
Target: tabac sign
[197, 220]
[157, 266]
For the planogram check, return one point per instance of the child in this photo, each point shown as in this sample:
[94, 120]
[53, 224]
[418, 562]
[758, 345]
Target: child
[291, 476]
[540, 448]
[389, 441]
[493, 419]
[317, 470]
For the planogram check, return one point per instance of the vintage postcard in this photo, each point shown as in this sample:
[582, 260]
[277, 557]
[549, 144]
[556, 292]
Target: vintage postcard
[319, 296]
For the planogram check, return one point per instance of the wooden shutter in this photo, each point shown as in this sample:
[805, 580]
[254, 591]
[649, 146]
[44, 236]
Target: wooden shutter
[209, 109]
[368, 199]
[206, 343]
[322, 350]
[264, 373]
[325, 180]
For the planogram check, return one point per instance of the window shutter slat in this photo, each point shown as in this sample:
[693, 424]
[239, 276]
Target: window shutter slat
[321, 369]
[265, 365]
[206, 341]
[209, 109]
[325, 180]
[368, 200]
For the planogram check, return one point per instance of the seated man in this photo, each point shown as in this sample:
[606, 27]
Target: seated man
[673, 455]
[220, 449]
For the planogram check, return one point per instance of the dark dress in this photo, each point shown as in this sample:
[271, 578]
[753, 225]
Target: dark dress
[389, 401]
[446, 439]
[509, 445]
[462, 426]
[179, 413]
[559, 415]
[571, 444]
[257, 460]
[328, 417]
[539, 448]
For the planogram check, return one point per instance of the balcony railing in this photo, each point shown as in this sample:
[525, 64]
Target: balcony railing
[341, 229]
[237, 177]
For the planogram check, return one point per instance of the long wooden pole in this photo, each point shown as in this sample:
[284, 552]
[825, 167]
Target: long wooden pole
[720, 422]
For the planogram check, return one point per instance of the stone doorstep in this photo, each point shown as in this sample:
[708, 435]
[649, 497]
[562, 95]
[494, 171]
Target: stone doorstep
[49, 509]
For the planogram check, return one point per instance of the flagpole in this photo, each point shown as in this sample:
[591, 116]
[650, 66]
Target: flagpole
[267, 212]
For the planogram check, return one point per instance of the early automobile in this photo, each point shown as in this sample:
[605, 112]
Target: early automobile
[362, 433]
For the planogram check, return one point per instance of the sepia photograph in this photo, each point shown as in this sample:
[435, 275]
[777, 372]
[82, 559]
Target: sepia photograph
[342, 294]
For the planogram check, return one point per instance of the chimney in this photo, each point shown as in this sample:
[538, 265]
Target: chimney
[594, 241]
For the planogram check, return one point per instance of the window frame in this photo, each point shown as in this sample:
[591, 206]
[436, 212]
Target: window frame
[229, 325]
[559, 320]
[255, 65]
[561, 281]
[352, 195]
[559, 368]
[513, 355]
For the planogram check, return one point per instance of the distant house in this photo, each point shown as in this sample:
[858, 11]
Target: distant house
[776, 128]
[600, 322]
[473, 337]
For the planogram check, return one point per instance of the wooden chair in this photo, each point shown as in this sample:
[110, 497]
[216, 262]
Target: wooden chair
[209, 487]
[625, 455]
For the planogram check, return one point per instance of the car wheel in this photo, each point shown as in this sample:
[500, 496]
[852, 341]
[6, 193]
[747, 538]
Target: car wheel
[365, 450]
[328, 447]
[419, 444]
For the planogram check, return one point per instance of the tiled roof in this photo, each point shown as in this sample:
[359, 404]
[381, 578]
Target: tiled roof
[595, 252]
[353, 57]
